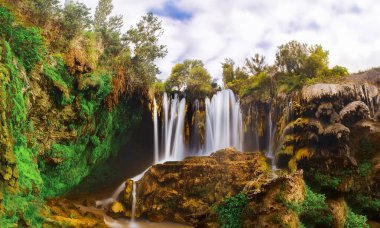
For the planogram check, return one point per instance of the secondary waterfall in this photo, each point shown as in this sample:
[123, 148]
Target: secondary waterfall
[155, 121]
[271, 134]
[133, 212]
[223, 126]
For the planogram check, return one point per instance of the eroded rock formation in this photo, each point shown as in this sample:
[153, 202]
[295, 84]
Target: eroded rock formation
[185, 191]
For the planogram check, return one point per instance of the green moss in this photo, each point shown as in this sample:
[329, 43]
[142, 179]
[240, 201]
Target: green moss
[21, 210]
[26, 43]
[76, 159]
[231, 210]
[365, 169]
[21, 202]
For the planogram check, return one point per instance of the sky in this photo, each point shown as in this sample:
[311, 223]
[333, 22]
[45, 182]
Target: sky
[212, 30]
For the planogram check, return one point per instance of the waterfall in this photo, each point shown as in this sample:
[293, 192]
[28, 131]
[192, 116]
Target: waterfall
[195, 135]
[133, 211]
[271, 134]
[173, 124]
[224, 125]
[224, 128]
[155, 122]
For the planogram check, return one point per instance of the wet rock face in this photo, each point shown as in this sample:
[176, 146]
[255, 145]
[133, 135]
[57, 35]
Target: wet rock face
[335, 138]
[185, 191]
[354, 112]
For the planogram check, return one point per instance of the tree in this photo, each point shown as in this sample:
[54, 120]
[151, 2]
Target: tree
[115, 23]
[291, 57]
[256, 64]
[76, 18]
[103, 10]
[109, 28]
[191, 77]
[43, 10]
[228, 70]
[241, 74]
[144, 38]
[317, 62]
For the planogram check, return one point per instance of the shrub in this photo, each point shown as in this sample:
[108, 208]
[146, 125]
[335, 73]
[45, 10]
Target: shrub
[365, 169]
[230, 211]
[354, 220]
[326, 180]
[313, 211]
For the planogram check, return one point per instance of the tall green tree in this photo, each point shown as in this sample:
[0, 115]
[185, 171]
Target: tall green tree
[145, 49]
[192, 77]
[291, 57]
[109, 29]
[317, 62]
[102, 12]
[228, 70]
[255, 65]
[76, 18]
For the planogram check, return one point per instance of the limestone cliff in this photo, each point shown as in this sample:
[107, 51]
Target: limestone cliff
[329, 130]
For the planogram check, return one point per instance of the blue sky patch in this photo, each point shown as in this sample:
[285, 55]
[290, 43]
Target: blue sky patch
[171, 10]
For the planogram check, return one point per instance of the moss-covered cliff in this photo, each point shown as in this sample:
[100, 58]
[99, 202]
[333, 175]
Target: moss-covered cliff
[55, 125]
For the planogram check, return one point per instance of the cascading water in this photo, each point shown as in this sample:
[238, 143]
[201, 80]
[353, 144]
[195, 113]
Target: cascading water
[173, 128]
[155, 122]
[271, 134]
[224, 125]
[224, 128]
[133, 211]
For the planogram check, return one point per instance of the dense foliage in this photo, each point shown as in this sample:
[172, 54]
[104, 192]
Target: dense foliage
[313, 211]
[355, 220]
[190, 77]
[55, 87]
[296, 64]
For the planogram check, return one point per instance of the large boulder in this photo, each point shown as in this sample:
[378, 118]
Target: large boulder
[185, 191]
[267, 207]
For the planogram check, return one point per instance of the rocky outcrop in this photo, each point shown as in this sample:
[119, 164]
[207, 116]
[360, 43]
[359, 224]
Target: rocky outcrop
[189, 191]
[185, 191]
[267, 208]
[349, 91]
[65, 213]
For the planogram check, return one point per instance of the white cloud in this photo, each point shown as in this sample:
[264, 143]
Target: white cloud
[237, 29]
